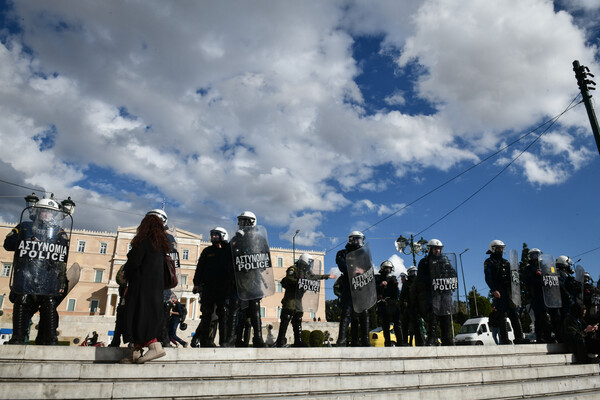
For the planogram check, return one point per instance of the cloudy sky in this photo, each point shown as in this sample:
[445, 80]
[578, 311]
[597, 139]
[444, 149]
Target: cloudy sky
[320, 116]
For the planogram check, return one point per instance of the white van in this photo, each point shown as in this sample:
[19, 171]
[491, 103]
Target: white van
[477, 331]
[5, 335]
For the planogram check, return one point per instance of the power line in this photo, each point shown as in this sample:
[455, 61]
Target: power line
[502, 170]
[24, 187]
[549, 121]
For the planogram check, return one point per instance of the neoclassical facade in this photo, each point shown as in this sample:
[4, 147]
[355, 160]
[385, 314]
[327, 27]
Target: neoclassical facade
[101, 254]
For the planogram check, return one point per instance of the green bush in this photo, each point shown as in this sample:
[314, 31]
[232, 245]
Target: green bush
[306, 336]
[316, 339]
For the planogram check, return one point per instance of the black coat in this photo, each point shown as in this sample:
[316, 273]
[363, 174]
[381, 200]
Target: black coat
[144, 272]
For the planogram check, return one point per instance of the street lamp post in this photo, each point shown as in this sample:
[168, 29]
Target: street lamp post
[294, 246]
[412, 247]
[464, 284]
[475, 301]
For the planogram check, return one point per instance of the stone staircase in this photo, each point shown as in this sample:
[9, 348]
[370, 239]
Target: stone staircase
[470, 372]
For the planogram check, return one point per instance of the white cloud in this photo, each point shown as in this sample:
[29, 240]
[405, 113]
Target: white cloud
[254, 105]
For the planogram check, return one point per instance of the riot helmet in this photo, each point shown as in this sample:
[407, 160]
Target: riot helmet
[412, 271]
[45, 210]
[161, 214]
[306, 261]
[218, 234]
[587, 278]
[356, 239]
[245, 219]
[563, 261]
[497, 247]
[434, 247]
[534, 254]
[386, 267]
[403, 276]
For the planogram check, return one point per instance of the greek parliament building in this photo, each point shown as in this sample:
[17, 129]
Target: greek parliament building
[101, 254]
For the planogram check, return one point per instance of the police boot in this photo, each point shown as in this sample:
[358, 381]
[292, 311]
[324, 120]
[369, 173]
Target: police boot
[297, 328]
[386, 334]
[516, 324]
[257, 340]
[231, 328]
[283, 325]
[21, 315]
[48, 321]
[364, 330]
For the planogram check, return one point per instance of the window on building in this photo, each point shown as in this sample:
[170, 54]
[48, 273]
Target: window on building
[313, 315]
[98, 275]
[81, 246]
[6, 269]
[279, 287]
[263, 312]
[94, 305]
[2, 300]
[185, 254]
[280, 262]
[103, 247]
[71, 305]
[184, 279]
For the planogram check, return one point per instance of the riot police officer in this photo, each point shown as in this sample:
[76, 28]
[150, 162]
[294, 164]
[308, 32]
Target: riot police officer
[291, 310]
[423, 295]
[498, 277]
[39, 275]
[388, 308]
[250, 285]
[568, 285]
[214, 280]
[534, 282]
[406, 306]
[356, 240]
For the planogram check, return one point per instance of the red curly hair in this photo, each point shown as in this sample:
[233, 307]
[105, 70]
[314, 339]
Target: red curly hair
[152, 229]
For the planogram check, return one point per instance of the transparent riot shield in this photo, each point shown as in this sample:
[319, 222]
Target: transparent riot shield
[594, 308]
[444, 284]
[40, 260]
[309, 286]
[252, 263]
[174, 253]
[550, 284]
[73, 275]
[362, 279]
[515, 281]
[580, 278]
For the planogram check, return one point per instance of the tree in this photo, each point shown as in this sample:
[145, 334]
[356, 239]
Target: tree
[484, 305]
[332, 310]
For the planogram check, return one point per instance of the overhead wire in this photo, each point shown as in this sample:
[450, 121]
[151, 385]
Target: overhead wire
[550, 121]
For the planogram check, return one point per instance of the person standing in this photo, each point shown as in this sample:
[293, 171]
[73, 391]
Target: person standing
[423, 295]
[356, 240]
[291, 310]
[39, 280]
[144, 273]
[533, 280]
[498, 278]
[214, 279]
[388, 308]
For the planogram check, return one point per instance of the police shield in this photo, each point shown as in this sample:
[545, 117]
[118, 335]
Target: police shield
[40, 260]
[309, 286]
[362, 279]
[515, 281]
[550, 285]
[252, 263]
[444, 284]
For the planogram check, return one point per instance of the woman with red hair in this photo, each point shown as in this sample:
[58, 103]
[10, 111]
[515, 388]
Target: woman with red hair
[144, 272]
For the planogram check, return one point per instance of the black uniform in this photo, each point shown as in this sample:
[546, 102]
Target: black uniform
[579, 342]
[422, 295]
[347, 312]
[498, 278]
[388, 308]
[32, 276]
[214, 274]
[543, 330]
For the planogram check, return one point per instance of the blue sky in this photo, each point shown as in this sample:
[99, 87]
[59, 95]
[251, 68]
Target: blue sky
[321, 116]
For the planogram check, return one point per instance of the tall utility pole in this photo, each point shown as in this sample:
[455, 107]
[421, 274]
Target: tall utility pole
[582, 73]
